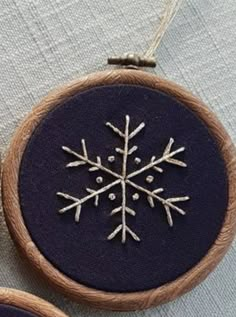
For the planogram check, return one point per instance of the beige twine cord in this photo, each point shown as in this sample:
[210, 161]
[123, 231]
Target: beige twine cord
[172, 7]
[148, 58]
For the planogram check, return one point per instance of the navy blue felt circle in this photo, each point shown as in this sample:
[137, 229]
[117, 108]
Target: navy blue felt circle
[11, 311]
[81, 251]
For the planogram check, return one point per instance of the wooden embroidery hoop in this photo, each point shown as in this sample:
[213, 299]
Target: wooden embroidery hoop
[18, 230]
[29, 303]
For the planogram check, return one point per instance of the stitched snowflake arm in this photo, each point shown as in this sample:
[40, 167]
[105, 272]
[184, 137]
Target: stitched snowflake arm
[168, 203]
[123, 227]
[84, 159]
[78, 202]
[168, 157]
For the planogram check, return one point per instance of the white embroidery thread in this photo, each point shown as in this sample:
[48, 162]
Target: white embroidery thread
[124, 179]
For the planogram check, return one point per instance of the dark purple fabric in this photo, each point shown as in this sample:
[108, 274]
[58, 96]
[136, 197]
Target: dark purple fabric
[81, 251]
[11, 311]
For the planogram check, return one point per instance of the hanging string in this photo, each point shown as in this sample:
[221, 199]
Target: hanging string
[148, 58]
[172, 7]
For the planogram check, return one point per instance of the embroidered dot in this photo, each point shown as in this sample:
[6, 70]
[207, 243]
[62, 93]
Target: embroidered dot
[111, 159]
[137, 160]
[135, 196]
[112, 196]
[149, 179]
[99, 179]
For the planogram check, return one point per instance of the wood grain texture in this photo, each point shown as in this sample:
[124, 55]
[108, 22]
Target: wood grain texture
[100, 299]
[29, 303]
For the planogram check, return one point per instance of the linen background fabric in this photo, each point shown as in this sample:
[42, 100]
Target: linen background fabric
[46, 43]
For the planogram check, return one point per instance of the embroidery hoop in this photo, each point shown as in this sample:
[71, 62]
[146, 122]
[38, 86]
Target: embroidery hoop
[20, 234]
[29, 303]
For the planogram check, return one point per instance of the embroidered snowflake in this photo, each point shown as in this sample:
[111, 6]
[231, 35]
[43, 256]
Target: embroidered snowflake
[124, 179]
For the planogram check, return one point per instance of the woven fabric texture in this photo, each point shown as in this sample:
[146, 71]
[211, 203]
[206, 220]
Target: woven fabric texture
[45, 43]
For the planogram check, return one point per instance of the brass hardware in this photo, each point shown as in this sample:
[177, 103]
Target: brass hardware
[131, 59]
